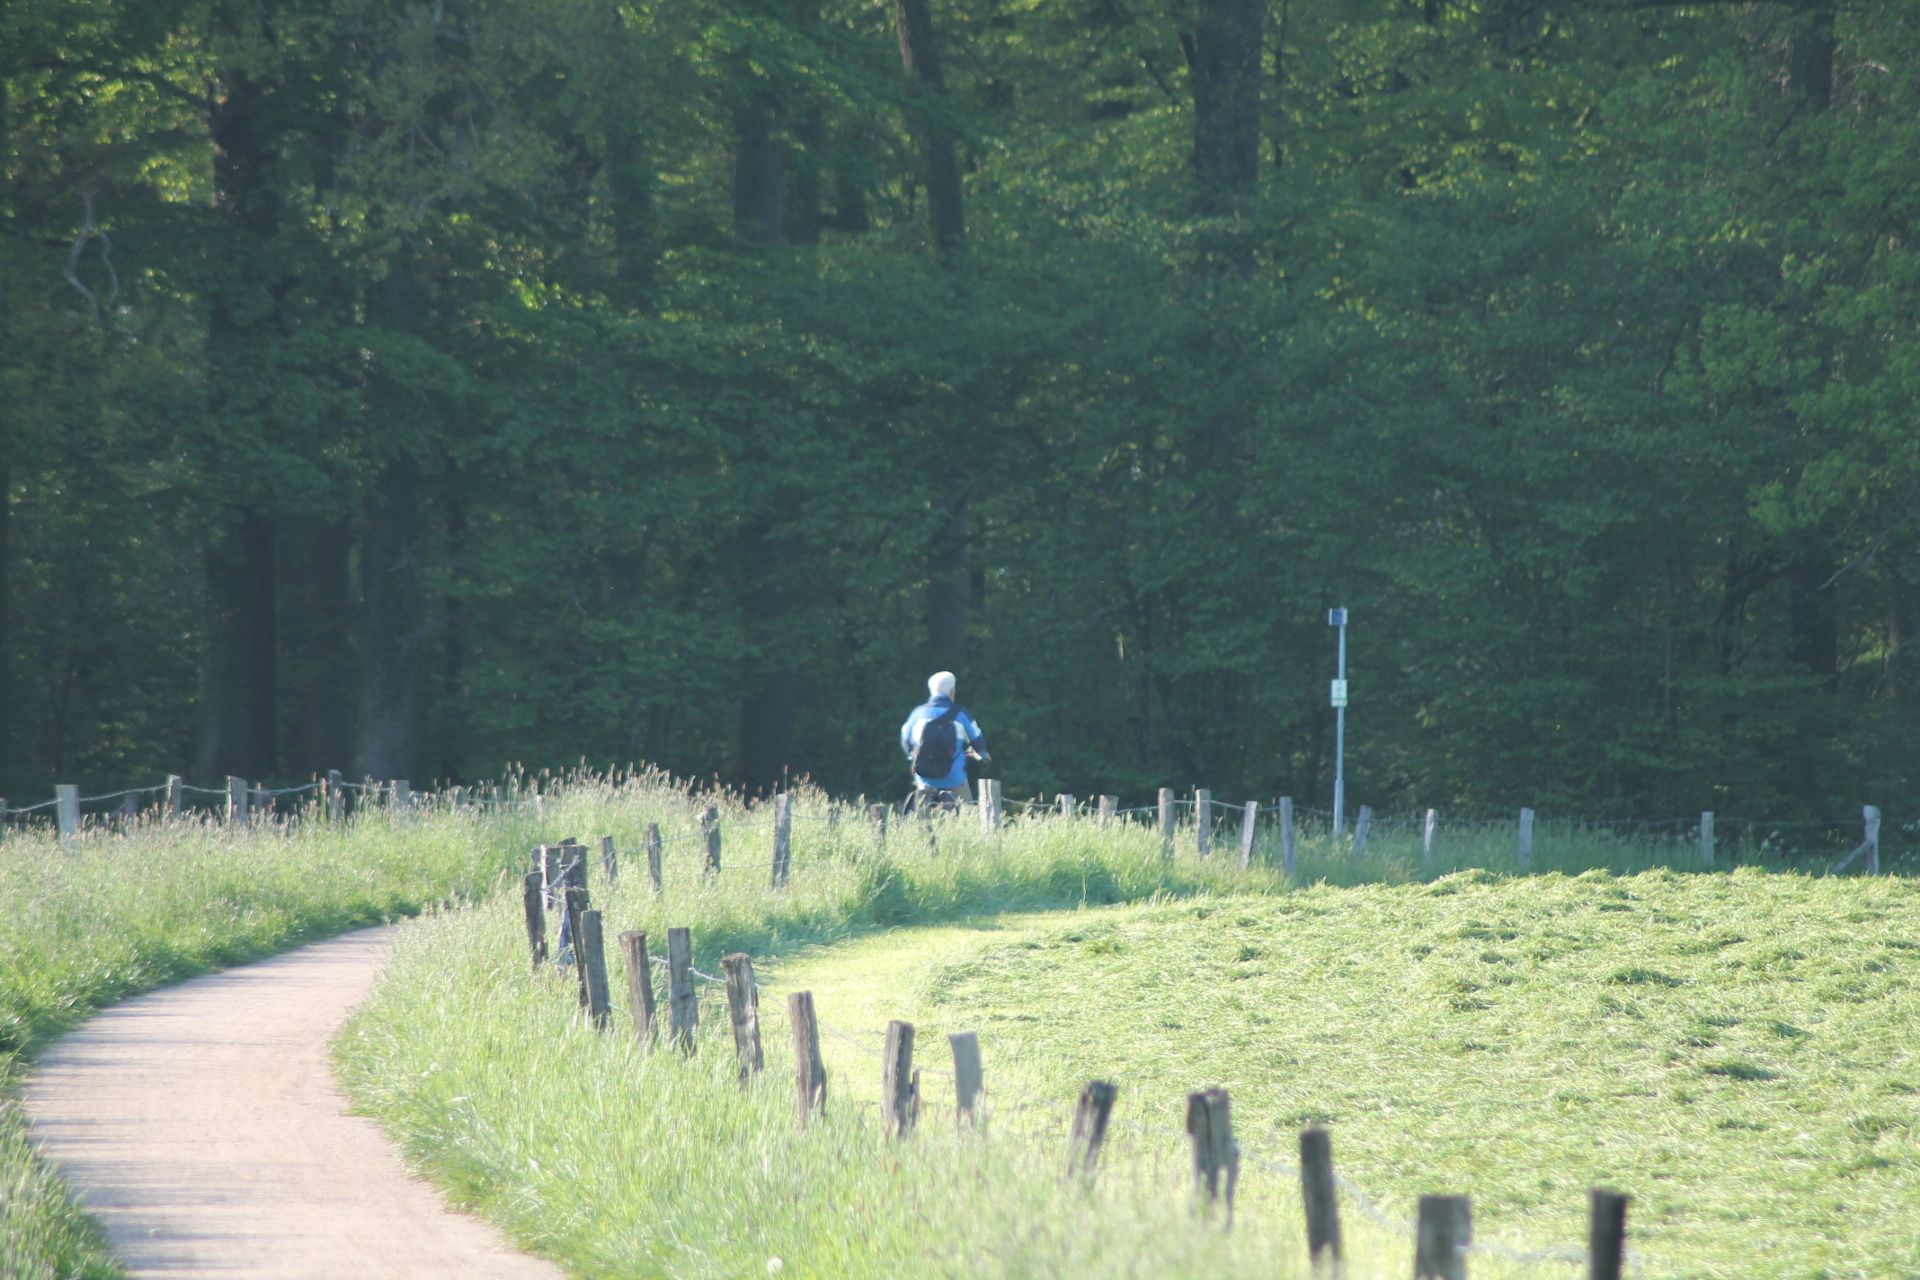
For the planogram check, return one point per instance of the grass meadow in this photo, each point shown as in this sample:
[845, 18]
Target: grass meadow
[1733, 1049]
[479, 1068]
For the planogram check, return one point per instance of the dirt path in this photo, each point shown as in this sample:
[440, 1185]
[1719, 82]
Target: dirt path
[201, 1125]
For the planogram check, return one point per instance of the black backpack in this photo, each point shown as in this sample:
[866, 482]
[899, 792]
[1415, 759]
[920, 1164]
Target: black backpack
[933, 758]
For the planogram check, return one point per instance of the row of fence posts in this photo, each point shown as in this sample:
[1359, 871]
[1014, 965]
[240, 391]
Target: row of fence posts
[1443, 1232]
[1107, 807]
[244, 800]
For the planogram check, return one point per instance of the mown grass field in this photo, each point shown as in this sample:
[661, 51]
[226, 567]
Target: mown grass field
[1735, 1050]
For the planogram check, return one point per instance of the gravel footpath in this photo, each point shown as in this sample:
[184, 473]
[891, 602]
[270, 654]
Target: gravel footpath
[201, 1125]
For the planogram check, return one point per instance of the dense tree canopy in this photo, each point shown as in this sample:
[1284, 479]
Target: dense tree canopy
[407, 386]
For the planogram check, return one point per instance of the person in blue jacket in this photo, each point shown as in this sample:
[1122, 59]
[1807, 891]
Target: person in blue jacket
[938, 737]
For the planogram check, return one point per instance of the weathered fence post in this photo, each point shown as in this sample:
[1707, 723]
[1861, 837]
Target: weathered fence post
[336, 796]
[609, 860]
[1706, 839]
[683, 1007]
[176, 794]
[570, 948]
[533, 894]
[1216, 1160]
[710, 829]
[1286, 835]
[1203, 822]
[1166, 822]
[810, 1071]
[989, 806]
[899, 1082]
[782, 837]
[593, 967]
[1090, 1129]
[1249, 824]
[633, 948]
[1446, 1223]
[66, 809]
[1361, 826]
[1526, 841]
[1324, 1251]
[1426, 841]
[236, 799]
[1107, 806]
[1871, 817]
[877, 818]
[743, 1003]
[653, 854]
[400, 794]
[966, 1072]
[1065, 803]
[1606, 1234]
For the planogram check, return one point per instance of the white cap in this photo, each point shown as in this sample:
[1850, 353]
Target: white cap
[940, 683]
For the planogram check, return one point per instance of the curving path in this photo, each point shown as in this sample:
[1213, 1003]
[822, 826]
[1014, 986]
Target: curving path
[201, 1126]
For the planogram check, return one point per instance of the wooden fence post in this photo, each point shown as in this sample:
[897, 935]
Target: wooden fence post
[1203, 822]
[593, 967]
[236, 799]
[1361, 826]
[1090, 1129]
[575, 854]
[966, 1072]
[1426, 841]
[1871, 817]
[710, 828]
[1606, 1234]
[66, 809]
[683, 1007]
[1065, 804]
[1706, 839]
[176, 794]
[1216, 1160]
[899, 1082]
[336, 796]
[782, 837]
[1526, 841]
[653, 854]
[1324, 1252]
[743, 1002]
[1249, 824]
[1108, 804]
[877, 818]
[1446, 1223]
[570, 948]
[609, 860]
[401, 795]
[1166, 822]
[633, 947]
[1286, 835]
[533, 895]
[810, 1072]
[989, 806]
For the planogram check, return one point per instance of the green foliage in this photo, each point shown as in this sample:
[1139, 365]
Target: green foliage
[1568, 345]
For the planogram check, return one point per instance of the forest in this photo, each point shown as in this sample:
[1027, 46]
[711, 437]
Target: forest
[411, 387]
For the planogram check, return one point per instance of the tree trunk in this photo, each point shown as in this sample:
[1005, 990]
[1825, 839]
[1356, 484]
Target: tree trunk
[239, 680]
[6, 577]
[803, 216]
[947, 588]
[392, 623]
[768, 715]
[392, 608]
[759, 171]
[316, 642]
[920, 54]
[1812, 623]
[1223, 59]
[1810, 56]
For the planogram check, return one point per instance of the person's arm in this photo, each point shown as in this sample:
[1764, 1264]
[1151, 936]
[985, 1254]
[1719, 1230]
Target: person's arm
[976, 741]
[906, 734]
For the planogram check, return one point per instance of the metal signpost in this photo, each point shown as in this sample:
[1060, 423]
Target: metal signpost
[1338, 618]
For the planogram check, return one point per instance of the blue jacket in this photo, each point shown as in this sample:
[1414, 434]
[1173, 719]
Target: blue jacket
[965, 733]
